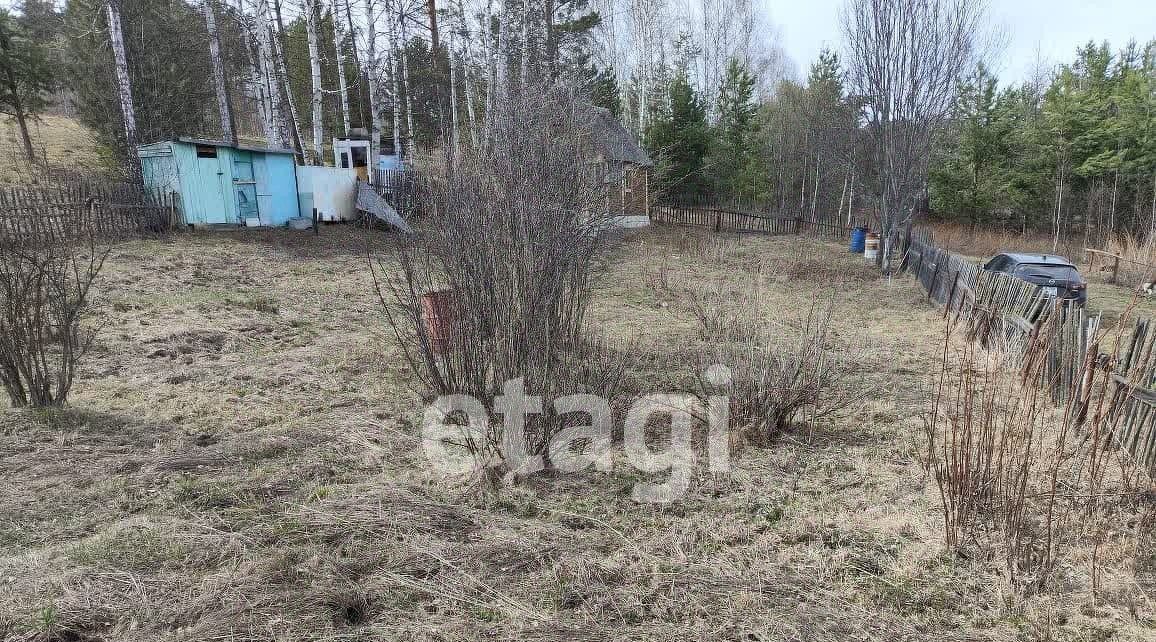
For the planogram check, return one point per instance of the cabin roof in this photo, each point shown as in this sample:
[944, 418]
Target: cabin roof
[614, 141]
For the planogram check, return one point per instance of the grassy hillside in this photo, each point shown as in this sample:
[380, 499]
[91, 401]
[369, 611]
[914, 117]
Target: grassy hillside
[63, 141]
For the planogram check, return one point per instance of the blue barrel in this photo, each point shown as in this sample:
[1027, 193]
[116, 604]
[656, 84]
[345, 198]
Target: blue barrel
[858, 239]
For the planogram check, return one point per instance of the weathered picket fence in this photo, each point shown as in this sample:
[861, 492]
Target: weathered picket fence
[1132, 413]
[95, 209]
[746, 217]
[1005, 313]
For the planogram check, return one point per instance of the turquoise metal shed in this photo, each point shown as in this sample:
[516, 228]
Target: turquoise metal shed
[222, 184]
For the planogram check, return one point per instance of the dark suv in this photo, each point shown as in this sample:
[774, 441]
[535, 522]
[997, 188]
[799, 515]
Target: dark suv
[1054, 274]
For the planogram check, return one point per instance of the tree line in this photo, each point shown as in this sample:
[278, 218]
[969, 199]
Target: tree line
[904, 120]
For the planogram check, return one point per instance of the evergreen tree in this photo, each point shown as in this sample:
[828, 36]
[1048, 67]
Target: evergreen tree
[168, 64]
[678, 136]
[26, 77]
[969, 177]
[733, 163]
[603, 87]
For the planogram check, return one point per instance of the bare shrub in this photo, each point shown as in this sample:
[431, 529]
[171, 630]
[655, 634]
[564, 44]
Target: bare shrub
[44, 294]
[511, 233]
[779, 375]
[1019, 478]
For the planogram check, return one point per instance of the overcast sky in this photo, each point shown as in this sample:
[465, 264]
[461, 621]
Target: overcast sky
[1048, 29]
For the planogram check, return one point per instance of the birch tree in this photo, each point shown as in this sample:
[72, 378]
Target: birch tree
[339, 52]
[268, 87]
[905, 59]
[283, 80]
[467, 55]
[405, 86]
[373, 69]
[312, 16]
[224, 104]
[123, 84]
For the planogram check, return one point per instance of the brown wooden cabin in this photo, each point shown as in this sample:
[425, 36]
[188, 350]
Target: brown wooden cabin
[627, 169]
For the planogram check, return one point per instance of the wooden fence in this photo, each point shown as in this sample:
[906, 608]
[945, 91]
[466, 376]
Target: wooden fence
[1132, 413]
[1000, 311]
[82, 209]
[744, 218]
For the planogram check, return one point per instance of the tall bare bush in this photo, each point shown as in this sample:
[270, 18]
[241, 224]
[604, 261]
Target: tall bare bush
[1021, 479]
[779, 374]
[510, 231]
[904, 60]
[44, 295]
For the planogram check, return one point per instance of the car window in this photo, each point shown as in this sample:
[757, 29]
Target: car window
[1041, 270]
[997, 264]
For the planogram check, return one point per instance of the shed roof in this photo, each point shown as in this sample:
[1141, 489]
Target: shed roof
[613, 140]
[221, 143]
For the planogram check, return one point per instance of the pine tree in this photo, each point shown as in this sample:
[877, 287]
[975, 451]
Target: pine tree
[967, 179]
[26, 77]
[678, 137]
[732, 151]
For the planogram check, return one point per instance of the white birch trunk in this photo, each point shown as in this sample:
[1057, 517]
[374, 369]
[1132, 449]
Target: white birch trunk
[123, 84]
[409, 139]
[469, 94]
[491, 64]
[501, 57]
[525, 71]
[453, 59]
[224, 107]
[283, 79]
[395, 86]
[317, 105]
[271, 105]
[342, 83]
[815, 191]
[843, 198]
[373, 68]
[851, 199]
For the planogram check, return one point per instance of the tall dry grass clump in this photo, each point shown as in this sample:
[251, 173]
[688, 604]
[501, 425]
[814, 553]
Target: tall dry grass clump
[44, 296]
[1138, 259]
[510, 234]
[985, 241]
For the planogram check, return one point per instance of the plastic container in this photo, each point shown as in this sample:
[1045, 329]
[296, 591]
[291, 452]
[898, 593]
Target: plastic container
[871, 248]
[437, 315]
[858, 239]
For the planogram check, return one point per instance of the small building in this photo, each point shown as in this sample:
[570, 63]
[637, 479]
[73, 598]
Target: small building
[218, 183]
[330, 191]
[626, 168]
[352, 152]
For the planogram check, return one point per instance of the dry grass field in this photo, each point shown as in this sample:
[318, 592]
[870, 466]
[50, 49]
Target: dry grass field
[240, 461]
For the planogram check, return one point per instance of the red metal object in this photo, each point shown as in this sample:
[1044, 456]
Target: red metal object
[437, 314]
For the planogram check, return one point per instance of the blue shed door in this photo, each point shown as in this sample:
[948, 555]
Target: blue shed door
[206, 198]
[245, 185]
